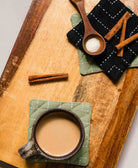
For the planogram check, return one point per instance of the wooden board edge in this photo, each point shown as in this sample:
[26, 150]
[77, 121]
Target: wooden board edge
[120, 123]
[25, 36]
[124, 130]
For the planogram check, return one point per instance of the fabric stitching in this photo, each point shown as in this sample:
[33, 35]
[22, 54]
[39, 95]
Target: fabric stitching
[125, 61]
[77, 33]
[78, 42]
[71, 105]
[132, 51]
[112, 2]
[99, 21]
[133, 31]
[81, 37]
[106, 59]
[114, 66]
[112, 17]
[75, 105]
[40, 106]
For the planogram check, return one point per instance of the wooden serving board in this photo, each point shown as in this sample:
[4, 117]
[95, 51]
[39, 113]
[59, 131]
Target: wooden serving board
[42, 47]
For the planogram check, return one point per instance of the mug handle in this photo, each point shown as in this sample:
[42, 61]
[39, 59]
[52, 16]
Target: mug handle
[28, 150]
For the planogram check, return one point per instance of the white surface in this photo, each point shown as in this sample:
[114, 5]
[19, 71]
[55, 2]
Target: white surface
[12, 14]
[129, 155]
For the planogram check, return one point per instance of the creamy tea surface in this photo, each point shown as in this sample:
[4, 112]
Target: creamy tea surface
[57, 135]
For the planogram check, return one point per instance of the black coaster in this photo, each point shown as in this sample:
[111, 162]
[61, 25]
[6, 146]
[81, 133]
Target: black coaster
[103, 17]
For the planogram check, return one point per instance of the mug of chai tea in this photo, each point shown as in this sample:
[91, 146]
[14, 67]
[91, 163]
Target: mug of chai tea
[58, 134]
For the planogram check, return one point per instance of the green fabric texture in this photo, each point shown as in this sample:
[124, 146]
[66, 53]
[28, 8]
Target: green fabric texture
[83, 110]
[87, 64]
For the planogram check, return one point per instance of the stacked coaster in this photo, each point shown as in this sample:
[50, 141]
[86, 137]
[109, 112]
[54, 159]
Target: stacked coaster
[103, 17]
[83, 110]
[86, 63]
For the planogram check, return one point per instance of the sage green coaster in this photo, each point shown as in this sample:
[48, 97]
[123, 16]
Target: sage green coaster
[83, 110]
[87, 64]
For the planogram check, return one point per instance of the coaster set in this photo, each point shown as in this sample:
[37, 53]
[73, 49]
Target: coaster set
[86, 63]
[103, 18]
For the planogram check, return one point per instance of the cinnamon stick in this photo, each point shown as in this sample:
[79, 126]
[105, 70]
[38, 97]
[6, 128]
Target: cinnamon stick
[122, 37]
[127, 41]
[47, 77]
[117, 26]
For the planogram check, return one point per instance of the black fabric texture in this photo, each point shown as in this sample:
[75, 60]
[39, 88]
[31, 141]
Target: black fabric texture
[103, 17]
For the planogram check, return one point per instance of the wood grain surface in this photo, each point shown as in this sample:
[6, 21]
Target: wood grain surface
[26, 34]
[113, 105]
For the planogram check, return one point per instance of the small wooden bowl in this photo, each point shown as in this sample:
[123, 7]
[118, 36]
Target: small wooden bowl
[98, 37]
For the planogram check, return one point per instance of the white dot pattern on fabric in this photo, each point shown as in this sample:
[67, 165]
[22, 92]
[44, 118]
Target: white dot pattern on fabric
[114, 66]
[132, 51]
[99, 21]
[71, 105]
[33, 119]
[105, 60]
[81, 37]
[112, 2]
[112, 17]
[133, 31]
[77, 32]
[78, 41]
[124, 61]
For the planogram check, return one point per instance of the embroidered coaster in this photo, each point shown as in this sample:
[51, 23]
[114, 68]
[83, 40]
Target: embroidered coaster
[83, 110]
[86, 63]
[103, 17]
